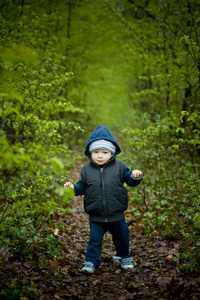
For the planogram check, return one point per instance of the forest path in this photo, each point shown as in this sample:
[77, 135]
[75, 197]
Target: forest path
[155, 275]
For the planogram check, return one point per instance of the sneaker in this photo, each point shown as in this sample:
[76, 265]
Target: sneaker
[126, 263]
[88, 267]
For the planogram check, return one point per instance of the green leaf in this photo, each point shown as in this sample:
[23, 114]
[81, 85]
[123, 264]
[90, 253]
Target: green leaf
[1, 183]
[183, 113]
[181, 129]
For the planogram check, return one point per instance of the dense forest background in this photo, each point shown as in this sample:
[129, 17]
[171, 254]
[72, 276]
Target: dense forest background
[67, 67]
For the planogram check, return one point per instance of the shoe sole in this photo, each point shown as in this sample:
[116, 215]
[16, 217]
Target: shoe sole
[87, 271]
[128, 268]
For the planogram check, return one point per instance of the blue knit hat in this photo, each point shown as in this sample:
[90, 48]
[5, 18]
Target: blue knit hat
[102, 144]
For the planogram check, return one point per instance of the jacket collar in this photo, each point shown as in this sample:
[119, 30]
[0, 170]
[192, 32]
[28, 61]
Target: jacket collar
[108, 163]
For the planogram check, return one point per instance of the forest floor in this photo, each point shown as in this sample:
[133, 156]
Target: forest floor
[155, 275]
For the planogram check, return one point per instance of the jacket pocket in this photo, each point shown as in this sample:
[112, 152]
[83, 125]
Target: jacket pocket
[124, 196]
[92, 206]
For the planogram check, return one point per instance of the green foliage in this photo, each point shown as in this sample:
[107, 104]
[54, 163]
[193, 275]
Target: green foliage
[9, 292]
[36, 120]
[12, 290]
[169, 199]
[163, 137]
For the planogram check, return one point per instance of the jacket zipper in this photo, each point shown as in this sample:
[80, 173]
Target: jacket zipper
[102, 194]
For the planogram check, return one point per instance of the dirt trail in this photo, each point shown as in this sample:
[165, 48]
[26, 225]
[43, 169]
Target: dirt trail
[155, 275]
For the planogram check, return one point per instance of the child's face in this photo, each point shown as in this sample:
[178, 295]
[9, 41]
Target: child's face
[101, 156]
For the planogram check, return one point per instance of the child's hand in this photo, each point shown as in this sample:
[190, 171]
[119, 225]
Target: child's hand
[136, 173]
[69, 184]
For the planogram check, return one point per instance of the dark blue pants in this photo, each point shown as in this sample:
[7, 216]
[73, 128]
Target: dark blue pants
[120, 236]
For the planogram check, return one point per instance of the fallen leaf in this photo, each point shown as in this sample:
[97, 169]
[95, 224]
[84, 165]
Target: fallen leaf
[63, 293]
[170, 256]
[56, 231]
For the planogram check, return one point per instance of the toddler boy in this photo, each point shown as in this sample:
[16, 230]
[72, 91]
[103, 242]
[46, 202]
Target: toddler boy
[102, 183]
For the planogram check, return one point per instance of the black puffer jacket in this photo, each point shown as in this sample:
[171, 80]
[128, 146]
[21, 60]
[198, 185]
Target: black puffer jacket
[105, 198]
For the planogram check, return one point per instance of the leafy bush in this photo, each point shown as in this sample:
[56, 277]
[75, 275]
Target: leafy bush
[35, 126]
[168, 199]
